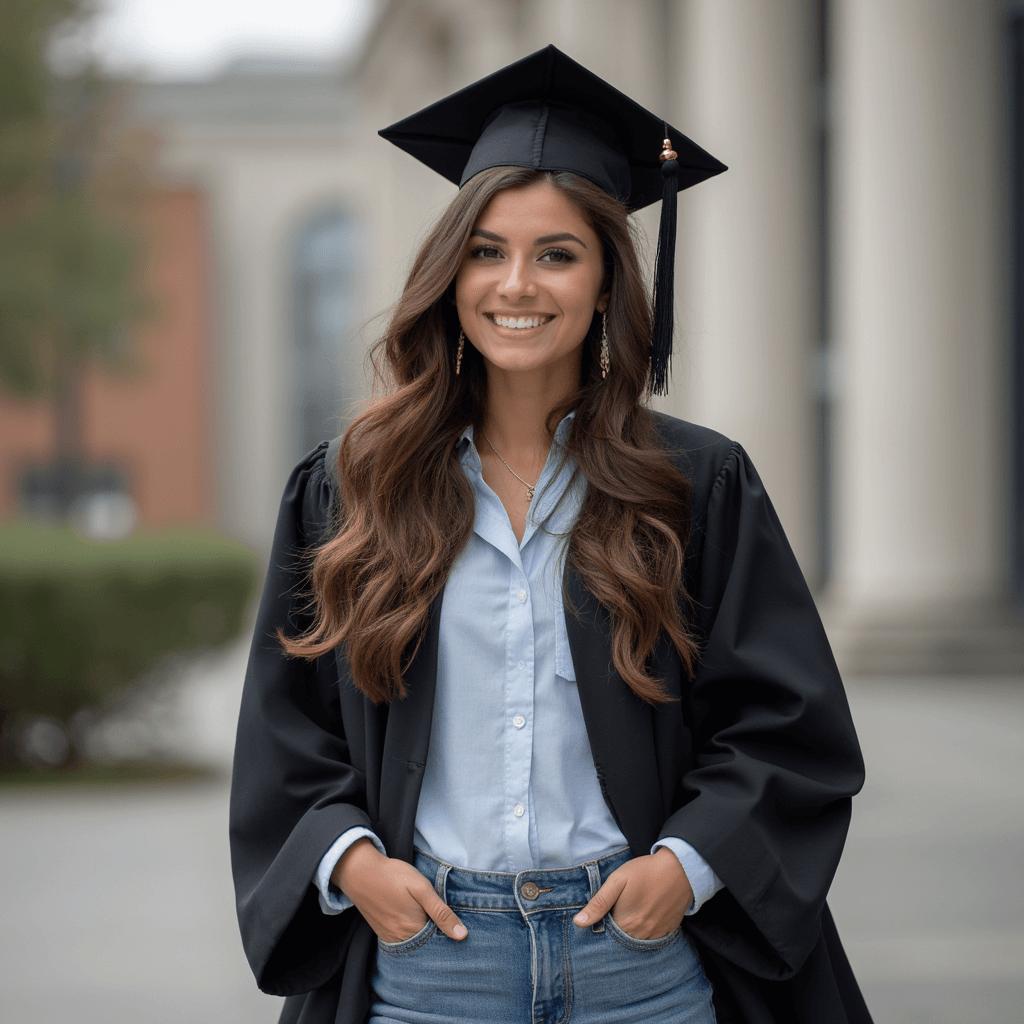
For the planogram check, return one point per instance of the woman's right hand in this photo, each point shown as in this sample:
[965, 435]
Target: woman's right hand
[393, 896]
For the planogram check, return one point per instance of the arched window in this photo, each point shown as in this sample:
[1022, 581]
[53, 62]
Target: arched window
[324, 315]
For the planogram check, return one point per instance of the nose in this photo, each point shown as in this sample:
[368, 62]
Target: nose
[517, 279]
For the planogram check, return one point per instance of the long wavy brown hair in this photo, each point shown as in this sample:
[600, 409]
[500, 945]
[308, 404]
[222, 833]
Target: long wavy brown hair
[407, 508]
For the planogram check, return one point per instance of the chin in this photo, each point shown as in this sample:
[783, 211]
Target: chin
[526, 359]
[526, 364]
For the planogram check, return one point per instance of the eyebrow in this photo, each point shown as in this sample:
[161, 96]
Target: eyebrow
[564, 236]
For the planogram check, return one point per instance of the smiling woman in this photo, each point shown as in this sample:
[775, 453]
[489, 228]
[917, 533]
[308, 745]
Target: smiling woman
[540, 723]
[515, 387]
[528, 298]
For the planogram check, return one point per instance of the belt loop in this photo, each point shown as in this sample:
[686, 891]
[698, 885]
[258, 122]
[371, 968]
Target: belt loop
[594, 876]
[441, 880]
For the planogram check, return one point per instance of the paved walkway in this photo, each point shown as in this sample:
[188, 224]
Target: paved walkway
[117, 909]
[929, 897]
[117, 906]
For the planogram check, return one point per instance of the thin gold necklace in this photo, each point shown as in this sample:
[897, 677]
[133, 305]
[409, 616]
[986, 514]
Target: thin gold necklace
[529, 487]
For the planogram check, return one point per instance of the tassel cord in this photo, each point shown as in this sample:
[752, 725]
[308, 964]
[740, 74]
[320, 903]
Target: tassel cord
[661, 342]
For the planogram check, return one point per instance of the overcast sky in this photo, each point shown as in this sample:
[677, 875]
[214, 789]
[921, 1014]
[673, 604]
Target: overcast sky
[190, 38]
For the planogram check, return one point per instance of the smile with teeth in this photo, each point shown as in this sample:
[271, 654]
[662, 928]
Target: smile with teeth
[519, 323]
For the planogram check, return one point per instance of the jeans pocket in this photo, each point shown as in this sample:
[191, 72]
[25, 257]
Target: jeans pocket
[640, 945]
[414, 942]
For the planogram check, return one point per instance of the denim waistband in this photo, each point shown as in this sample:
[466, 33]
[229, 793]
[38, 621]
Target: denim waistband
[551, 888]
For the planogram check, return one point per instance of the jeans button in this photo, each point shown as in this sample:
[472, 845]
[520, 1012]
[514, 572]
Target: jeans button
[530, 891]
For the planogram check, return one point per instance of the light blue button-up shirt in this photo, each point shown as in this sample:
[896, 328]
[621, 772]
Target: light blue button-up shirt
[510, 782]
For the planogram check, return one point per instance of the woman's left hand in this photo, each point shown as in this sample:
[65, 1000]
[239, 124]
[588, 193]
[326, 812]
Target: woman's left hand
[647, 897]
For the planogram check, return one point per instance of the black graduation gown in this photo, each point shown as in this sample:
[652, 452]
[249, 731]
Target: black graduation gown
[755, 765]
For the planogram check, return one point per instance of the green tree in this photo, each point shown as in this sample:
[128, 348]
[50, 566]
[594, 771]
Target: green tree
[71, 180]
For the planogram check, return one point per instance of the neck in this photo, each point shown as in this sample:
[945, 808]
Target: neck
[518, 406]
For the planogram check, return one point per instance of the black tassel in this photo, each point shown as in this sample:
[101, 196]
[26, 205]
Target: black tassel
[664, 273]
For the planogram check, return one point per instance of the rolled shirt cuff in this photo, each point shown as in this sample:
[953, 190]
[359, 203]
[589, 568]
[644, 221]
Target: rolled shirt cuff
[703, 881]
[332, 899]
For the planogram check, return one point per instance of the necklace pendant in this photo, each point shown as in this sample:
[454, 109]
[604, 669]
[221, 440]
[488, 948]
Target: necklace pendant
[530, 488]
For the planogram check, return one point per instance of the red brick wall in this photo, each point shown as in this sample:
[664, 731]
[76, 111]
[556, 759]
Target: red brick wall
[156, 424]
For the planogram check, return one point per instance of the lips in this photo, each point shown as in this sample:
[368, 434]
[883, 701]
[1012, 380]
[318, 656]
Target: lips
[519, 323]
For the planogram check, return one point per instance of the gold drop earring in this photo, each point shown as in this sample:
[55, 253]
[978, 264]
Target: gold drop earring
[458, 354]
[605, 359]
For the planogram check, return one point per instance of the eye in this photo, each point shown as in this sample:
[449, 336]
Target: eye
[559, 256]
[485, 252]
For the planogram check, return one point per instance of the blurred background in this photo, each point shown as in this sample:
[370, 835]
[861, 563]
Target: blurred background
[198, 229]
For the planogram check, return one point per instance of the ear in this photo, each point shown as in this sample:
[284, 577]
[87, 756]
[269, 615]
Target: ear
[602, 302]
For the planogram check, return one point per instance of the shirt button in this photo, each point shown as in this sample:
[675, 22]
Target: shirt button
[521, 665]
[521, 595]
[519, 721]
[519, 810]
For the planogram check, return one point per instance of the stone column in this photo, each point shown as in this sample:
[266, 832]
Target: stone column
[742, 78]
[919, 208]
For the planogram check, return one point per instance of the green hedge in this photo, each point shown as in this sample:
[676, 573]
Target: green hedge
[82, 619]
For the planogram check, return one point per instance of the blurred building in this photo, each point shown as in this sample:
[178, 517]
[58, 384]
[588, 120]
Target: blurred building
[275, 149]
[848, 294]
[255, 271]
[147, 432]
[844, 306]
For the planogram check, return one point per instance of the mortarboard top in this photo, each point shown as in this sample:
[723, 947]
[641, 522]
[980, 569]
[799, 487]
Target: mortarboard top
[550, 113]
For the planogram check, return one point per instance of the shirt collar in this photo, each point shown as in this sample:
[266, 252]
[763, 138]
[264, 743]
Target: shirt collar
[556, 504]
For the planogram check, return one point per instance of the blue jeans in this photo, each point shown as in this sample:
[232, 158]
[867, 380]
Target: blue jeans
[525, 962]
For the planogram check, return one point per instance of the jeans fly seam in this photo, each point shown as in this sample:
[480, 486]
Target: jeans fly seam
[533, 968]
[566, 925]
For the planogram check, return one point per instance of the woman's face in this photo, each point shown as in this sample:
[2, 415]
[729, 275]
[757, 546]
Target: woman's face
[530, 281]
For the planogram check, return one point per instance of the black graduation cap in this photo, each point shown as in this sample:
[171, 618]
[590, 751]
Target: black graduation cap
[550, 113]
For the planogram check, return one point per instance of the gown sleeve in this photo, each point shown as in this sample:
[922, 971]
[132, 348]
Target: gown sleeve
[293, 788]
[776, 755]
